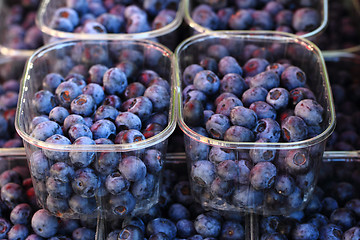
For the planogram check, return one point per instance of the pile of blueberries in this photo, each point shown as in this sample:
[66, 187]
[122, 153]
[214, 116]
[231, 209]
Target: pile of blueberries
[290, 16]
[19, 24]
[345, 86]
[339, 38]
[332, 213]
[94, 17]
[261, 102]
[121, 103]
[10, 71]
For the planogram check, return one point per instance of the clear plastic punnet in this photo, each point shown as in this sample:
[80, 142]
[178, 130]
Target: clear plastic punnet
[167, 35]
[70, 180]
[225, 7]
[249, 175]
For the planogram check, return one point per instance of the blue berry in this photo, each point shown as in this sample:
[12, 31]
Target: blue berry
[221, 188]
[310, 111]
[217, 125]
[96, 91]
[207, 81]
[293, 77]
[39, 165]
[294, 129]
[96, 73]
[161, 225]
[116, 184]
[190, 72]
[82, 205]
[193, 112]
[44, 130]
[153, 161]
[238, 134]
[66, 92]
[115, 81]
[123, 204]
[207, 225]
[51, 81]
[44, 101]
[21, 214]
[228, 170]
[232, 230]
[103, 129]
[300, 93]
[263, 110]
[185, 228]
[68, 13]
[241, 20]
[262, 175]
[57, 155]
[278, 98]
[306, 19]
[228, 65]
[83, 233]
[79, 130]
[18, 231]
[242, 116]
[217, 155]
[83, 105]
[129, 136]
[203, 172]
[58, 189]
[85, 182]
[5, 226]
[226, 105]
[112, 23]
[130, 232]
[205, 16]
[233, 83]
[56, 206]
[82, 159]
[255, 66]
[44, 224]
[141, 106]
[132, 168]
[254, 94]
[262, 20]
[268, 129]
[305, 231]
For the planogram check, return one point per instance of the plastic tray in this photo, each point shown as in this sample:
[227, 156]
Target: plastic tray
[196, 28]
[43, 62]
[166, 35]
[304, 55]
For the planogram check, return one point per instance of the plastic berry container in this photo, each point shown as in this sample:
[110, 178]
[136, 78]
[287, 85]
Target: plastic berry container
[321, 7]
[18, 21]
[101, 160]
[241, 191]
[166, 35]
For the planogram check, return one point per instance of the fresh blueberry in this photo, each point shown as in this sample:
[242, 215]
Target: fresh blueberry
[44, 224]
[57, 155]
[132, 168]
[18, 231]
[44, 101]
[238, 134]
[141, 106]
[207, 225]
[123, 204]
[103, 129]
[262, 175]
[96, 91]
[207, 63]
[232, 230]
[217, 125]
[115, 81]
[83, 233]
[221, 188]
[58, 114]
[193, 112]
[159, 97]
[58, 189]
[226, 105]
[46, 129]
[262, 154]
[278, 98]
[294, 129]
[35, 121]
[305, 231]
[39, 165]
[112, 23]
[242, 116]
[255, 66]
[233, 83]
[205, 16]
[306, 20]
[116, 184]
[203, 172]
[85, 182]
[185, 228]
[268, 129]
[130, 232]
[300, 93]
[228, 170]
[5, 226]
[161, 225]
[82, 159]
[79, 130]
[82, 205]
[262, 20]
[217, 155]
[21, 214]
[56, 206]
[165, 17]
[129, 136]
[228, 65]
[241, 20]
[293, 77]
[62, 24]
[190, 72]
[51, 81]
[207, 81]
[254, 95]
[310, 111]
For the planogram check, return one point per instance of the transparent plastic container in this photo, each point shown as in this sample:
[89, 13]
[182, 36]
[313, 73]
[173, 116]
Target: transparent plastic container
[97, 202]
[322, 7]
[11, 68]
[303, 54]
[167, 35]
[4, 28]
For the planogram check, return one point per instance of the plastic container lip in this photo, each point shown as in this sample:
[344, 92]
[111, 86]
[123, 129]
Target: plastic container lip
[259, 36]
[158, 138]
[201, 29]
[108, 36]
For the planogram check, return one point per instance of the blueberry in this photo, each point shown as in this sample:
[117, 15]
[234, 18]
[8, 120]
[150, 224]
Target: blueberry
[93, 27]
[294, 129]
[278, 98]
[103, 129]
[263, 110]
[146, 76]
[44, 101]
[113, 235]
[284, 18]
[193, 112]
[217, 51]
[82, 159]
[130, 232]
[5, 226]
[221, 188]
[137, 23]
[34, 237]
[203, 172]
[242, 116]
[58, 189]
[190, 72]
[116, 184]
[228, 170]
[273, 236]
[262, 20]
[129, 136]
[255, 66]
[112, 100]
[123, 204]
[233, 83]
[232, 230]
[238, 134]
[295, 199]
[44, 224]
[79, 130]
[262, 154]
[115, 81]
[351, 233]
[62, 24]
[58, 114]
[96, 73]
[159, 97]
[268, 129]
[35, 121]
[284, 184]
[141, 106]
[310, 111]
[305, 231]
[21, 214]
[39, 165]
[182, 193]
[245, 4]
[185, 228]
[293, 77]
[177, 212]
[66, 92]
[306, 19]
[67, 13]
[46, 129]
[262, 175]
[86, 182]
[96, 91]
[56, 206]
[112, 23]
[18, 231]
[132, 168]
[165, 17]
[253, 95]
[226, 105]
[300, 93]
[278, 68]
[343, 217]
[51, 81]
[161, 225]
[207, 63]
[228, 65]
[153, 161]
[82, 205]
[205, 16]
[207, 81]
[241, 20]
[8, 176]
[207, 225]
[57, 155]
[217, 155]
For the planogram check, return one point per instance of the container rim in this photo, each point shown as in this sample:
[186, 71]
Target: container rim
[264, 36]
[158, 138]
[201, 29]
[108, 36]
